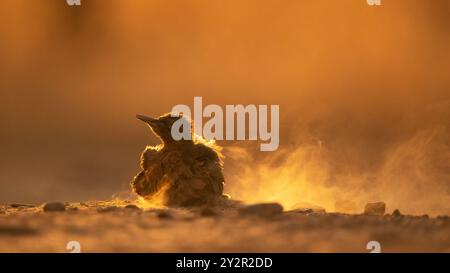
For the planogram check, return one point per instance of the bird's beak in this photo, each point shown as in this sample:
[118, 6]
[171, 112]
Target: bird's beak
[146, 119]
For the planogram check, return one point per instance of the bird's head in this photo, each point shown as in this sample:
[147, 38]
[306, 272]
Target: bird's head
[162, 126]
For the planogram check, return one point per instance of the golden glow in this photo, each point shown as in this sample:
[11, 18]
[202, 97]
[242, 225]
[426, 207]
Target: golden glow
[297, 176]
[156, 201]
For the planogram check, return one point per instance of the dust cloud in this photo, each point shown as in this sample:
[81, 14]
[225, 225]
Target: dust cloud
[363, 94]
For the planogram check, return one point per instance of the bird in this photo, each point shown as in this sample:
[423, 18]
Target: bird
[188, 171]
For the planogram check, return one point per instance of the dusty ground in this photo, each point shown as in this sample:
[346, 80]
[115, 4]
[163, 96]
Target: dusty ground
[110, 227]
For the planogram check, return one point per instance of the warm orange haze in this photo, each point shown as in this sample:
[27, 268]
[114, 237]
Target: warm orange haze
[364, 95]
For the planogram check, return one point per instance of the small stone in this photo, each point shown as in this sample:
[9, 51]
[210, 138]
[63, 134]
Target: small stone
[263, 209]
[164, 215]
[303, 207]
[377, 208]
[132, 207]
[53, 207]
[17, 205]
[396, 213]
[303, 211]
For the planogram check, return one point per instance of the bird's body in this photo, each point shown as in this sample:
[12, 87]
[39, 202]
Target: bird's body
[189, 171]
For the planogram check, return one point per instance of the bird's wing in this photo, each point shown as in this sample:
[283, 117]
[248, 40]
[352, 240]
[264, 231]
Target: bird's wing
[147, 182]
[208, 166]
[148, 156]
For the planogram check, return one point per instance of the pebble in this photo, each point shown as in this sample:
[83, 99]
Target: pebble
[16, 205]
[396, 213]
[425, 216]
[53, 207]
[377, 208]
[303, 207]
[263, 209]
[164, 215]
[132, 207]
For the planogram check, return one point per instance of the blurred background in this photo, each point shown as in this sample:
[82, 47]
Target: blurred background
[364, 95]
